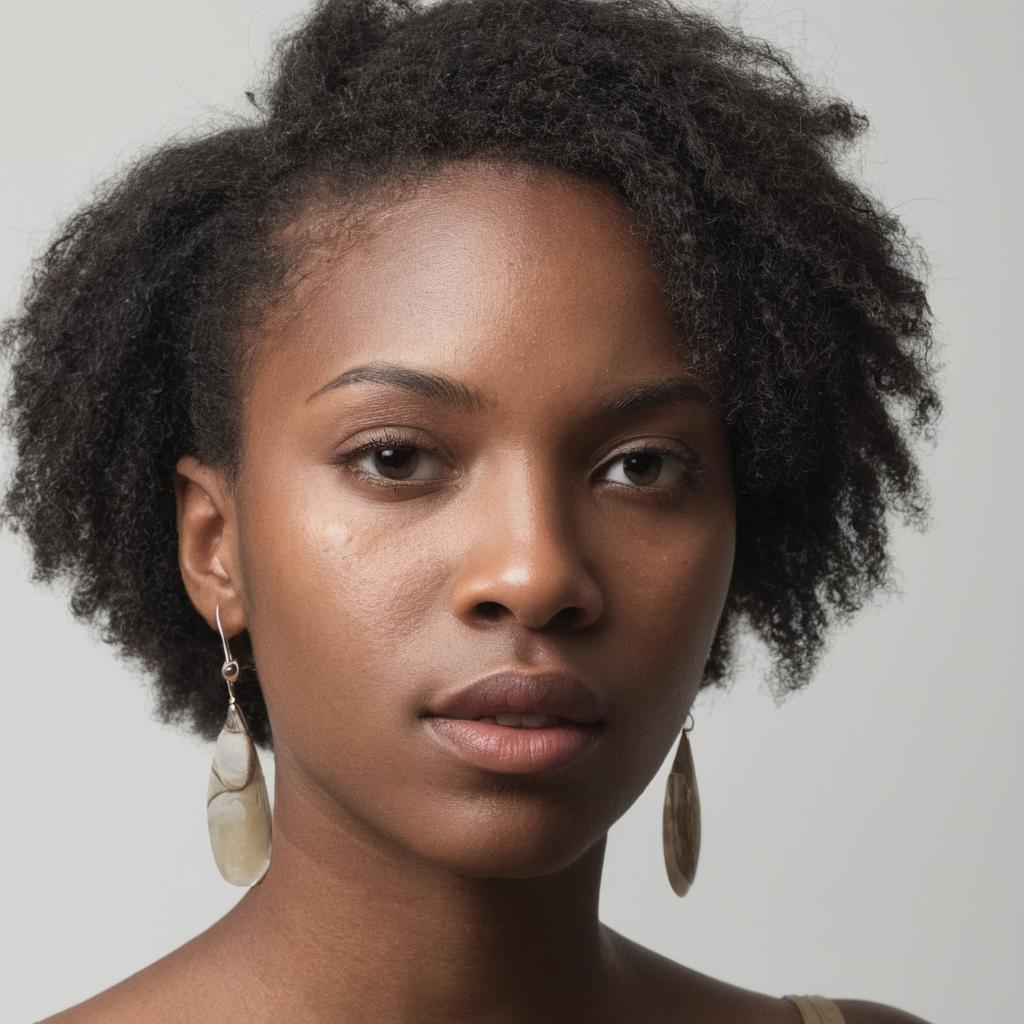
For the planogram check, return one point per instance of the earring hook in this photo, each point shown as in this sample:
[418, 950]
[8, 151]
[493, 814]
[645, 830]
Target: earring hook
[689, 715]
[230, 667]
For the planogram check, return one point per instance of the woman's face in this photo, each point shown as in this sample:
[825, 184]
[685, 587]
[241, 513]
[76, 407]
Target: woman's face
[514, 530]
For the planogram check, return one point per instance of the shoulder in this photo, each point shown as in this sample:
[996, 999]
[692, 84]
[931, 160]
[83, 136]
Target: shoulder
[163, 990]
[661, 986]
[859, 1011]
[116, 1005]
[658, 989]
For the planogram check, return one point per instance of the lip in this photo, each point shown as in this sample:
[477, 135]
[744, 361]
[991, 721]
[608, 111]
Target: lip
[508, 691]
[515, 749]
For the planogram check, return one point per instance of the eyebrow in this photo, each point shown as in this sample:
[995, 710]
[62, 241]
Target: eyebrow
[454, 394]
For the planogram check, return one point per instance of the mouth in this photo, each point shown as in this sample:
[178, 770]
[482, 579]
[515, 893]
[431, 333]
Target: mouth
[516, 744]
[526, 721]
[519, 722]
[522, 699]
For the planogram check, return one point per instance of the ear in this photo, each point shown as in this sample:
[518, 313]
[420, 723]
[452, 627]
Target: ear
[207, 544]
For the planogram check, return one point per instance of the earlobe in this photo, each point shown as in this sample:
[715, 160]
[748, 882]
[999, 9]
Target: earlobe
[206, 543]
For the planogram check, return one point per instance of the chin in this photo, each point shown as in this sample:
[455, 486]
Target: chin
[503, 840]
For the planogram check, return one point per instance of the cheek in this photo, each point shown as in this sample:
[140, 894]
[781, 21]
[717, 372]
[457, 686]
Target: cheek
[668, 610]
[349, 622]
[328, 603]
[700, 584]
[675, 588]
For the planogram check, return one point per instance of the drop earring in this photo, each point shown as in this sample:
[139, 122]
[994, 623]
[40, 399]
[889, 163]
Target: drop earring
[680, 831]
[237, 807]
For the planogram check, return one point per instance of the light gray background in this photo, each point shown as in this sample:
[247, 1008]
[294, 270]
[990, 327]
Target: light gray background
[862, 841]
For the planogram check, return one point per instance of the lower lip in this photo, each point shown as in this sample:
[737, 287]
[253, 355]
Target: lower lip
[514, 749]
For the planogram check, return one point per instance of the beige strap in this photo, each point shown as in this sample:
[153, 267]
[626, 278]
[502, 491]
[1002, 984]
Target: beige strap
[817, 1009]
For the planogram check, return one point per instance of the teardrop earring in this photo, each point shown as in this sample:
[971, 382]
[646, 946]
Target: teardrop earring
[681, 818]
[237, 807]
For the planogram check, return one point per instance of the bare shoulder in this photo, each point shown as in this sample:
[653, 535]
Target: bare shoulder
[860, 1011]
[664, 990]
[112, 1006]
[664, 987]
[88, 1012]
[170, 988]
[128, 1002]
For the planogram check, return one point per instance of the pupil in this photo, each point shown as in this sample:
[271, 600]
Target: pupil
[388, 456]
[642, 457]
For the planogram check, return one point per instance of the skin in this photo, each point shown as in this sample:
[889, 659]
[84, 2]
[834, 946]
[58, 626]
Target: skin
[407, 885]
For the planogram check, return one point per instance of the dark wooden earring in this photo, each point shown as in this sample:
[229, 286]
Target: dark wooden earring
[681, 818]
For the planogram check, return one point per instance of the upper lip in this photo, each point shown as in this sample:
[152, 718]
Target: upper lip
[509, 691]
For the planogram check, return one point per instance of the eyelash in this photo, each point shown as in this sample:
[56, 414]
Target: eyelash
[690, 461]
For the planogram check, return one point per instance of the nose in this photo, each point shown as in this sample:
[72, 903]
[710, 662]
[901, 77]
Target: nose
[524, 560]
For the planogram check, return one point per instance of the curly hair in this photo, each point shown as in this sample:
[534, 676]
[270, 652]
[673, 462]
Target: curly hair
[800, 297]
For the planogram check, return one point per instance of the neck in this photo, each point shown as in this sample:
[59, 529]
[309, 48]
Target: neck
[347, 925]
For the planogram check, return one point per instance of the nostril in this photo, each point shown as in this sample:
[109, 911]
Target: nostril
[567, 616]
[489, 610]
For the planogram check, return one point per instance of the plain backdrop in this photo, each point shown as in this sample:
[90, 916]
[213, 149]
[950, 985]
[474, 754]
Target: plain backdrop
[862, 840]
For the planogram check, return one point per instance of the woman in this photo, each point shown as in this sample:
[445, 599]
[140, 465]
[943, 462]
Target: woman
[456, 413]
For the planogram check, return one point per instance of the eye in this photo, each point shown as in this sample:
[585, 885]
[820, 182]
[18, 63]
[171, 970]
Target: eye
[657, 468]
[391, 459]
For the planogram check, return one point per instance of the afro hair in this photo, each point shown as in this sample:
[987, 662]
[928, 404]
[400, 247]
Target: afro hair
[801, 298]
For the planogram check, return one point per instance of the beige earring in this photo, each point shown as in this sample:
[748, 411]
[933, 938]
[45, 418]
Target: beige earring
[237, 807]
[680, 830]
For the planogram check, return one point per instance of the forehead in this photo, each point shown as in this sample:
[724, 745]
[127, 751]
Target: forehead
[483, 270]
[503, 228]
